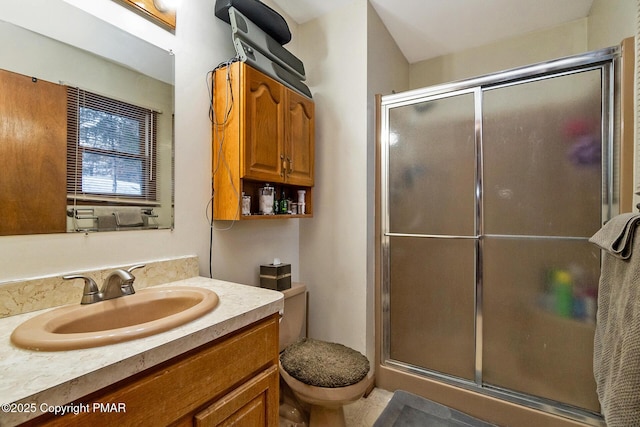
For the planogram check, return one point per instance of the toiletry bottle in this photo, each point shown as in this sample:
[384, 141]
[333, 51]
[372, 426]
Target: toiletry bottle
[301, 202]
[563, 293]
[284, 204]
[246, 204]
[267, 200]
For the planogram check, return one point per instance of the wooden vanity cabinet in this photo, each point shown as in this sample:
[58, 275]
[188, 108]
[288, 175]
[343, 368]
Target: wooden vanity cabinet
[232, 381]
[263, 132]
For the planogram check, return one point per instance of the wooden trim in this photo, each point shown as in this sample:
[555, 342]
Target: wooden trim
[627, 122]
[227, 139]
[147, 9]
[378, 234]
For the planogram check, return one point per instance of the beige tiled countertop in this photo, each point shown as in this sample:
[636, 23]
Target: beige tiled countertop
[41, 380]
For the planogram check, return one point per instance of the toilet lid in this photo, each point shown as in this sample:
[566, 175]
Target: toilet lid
[324, 364]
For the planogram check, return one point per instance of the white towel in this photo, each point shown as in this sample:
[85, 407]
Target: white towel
[106, 222]
[128, 217]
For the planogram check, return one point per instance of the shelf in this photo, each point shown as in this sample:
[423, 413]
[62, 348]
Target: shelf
[267, 217]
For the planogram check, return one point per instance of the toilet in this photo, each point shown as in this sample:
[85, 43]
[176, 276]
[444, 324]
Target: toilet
[322, 376]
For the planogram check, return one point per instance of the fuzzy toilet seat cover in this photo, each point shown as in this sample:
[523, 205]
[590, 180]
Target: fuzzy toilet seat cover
[324, 364]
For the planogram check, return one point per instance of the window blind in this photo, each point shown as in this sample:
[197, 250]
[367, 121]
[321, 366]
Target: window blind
[111, 149]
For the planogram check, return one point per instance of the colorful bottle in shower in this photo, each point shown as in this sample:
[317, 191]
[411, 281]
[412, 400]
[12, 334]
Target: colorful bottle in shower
[563, 293]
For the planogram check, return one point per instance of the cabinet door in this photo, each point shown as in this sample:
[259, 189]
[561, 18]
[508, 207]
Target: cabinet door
[263, 126]
[33, 199]
[300, 126]
[254, 404]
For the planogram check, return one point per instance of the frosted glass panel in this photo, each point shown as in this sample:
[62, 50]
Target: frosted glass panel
[542, 157]
[432, 167]
[539, 317]
[432, 304]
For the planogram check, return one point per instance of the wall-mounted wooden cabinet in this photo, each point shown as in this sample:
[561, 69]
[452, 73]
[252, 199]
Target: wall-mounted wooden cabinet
[263, 132]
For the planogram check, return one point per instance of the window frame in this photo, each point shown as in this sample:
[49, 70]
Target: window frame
[147, 120]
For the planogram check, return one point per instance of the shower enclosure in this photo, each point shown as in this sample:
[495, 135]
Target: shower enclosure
[490, 189]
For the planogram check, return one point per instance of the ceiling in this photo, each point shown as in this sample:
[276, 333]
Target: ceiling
[425, 29]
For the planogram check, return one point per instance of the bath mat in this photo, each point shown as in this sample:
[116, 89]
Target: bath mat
[408, 410]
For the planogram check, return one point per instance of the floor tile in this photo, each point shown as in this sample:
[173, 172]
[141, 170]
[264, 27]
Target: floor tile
[366, 411]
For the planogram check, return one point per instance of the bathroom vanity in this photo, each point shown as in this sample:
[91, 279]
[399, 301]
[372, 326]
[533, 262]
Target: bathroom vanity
[216, 369]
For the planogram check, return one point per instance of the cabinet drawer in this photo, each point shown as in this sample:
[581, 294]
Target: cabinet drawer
[250, 405]
[178, 387]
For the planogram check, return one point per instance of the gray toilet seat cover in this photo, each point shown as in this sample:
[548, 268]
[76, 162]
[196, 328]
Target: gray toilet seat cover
[324, 364]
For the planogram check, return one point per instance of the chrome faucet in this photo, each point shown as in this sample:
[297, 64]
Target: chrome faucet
[119, 283]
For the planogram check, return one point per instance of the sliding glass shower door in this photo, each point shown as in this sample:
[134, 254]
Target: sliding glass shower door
[432, 213]
[491, 188]
[542, 199]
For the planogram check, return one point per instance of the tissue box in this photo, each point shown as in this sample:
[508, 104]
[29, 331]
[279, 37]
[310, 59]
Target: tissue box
[275, 276]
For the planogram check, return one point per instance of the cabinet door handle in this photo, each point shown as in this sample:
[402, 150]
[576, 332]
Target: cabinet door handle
[283, 170]
[290, 169]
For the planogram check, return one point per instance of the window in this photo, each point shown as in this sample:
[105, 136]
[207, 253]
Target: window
[111, 149]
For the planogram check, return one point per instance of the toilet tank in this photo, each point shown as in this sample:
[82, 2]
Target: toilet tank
[294, 318]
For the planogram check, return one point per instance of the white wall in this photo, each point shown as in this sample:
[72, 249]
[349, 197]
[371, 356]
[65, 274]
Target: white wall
[530, 48]
[333, 245]
[611, 21]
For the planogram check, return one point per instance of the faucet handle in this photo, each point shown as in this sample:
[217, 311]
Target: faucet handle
[127, 287]
[136, 266]
[91, 292]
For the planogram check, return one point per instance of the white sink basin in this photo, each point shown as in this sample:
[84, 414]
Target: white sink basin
[147, 312]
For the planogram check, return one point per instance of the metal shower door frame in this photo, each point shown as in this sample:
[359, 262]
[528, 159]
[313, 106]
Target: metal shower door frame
[605, 60]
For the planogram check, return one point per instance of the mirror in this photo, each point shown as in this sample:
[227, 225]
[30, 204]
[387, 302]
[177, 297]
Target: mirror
[115, 184]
